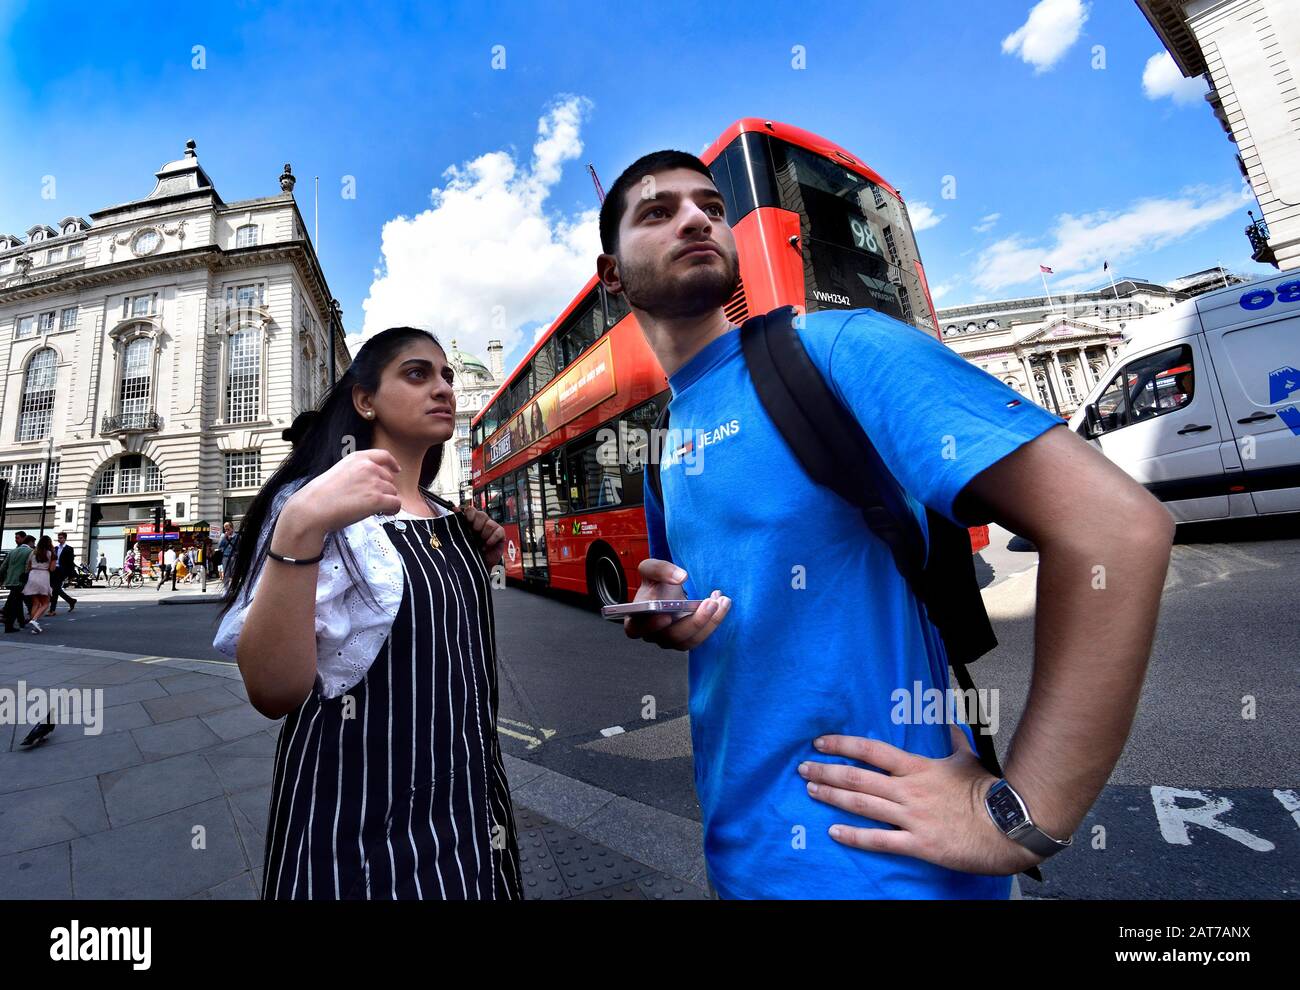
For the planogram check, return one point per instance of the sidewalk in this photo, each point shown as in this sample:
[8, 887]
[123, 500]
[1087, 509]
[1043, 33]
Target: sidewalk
[170, 799]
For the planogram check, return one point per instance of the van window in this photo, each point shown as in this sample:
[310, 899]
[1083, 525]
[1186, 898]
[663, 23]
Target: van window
[1147, 387]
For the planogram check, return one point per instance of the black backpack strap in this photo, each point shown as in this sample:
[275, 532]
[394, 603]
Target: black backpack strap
[823, 434]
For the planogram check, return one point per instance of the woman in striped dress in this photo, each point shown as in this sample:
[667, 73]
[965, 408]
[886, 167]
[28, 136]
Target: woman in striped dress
[363, 615]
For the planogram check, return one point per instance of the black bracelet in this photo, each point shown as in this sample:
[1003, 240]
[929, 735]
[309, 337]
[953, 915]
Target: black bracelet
[295, 560]
[290, 560]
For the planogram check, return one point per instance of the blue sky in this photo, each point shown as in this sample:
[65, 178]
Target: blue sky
[1053, 157]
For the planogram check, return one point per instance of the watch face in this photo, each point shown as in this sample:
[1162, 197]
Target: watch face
[1005, 809]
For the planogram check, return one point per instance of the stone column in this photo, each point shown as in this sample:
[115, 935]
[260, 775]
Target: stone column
[1061, 392]
[1029, 377]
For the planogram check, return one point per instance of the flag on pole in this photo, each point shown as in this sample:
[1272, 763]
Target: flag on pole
[1046, 270]
[1105, 266]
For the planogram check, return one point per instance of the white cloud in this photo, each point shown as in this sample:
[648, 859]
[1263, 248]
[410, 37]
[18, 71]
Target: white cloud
[923, 217]
[940, 290]
[1077, 246]
[1052, 27]
[487, 258]
[1162, 78]
[987, 223]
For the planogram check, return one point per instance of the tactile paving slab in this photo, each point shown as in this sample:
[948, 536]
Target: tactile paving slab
[559, 863]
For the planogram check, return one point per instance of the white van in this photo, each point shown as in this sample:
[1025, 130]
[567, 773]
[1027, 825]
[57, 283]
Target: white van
[1202, 406]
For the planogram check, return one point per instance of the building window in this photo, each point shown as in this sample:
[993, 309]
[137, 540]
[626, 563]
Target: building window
[75, 250]
[138, 305]
[54, 479]
[68, 318]
[38, 396]
[244, 377]
[244, 469]
[53, 255]
[466, 452]
[152, 478]
[5, 266]
[146, 242]
[29, 479]
[246, 236]
[244, 296]
[136, 381]
[47, 322]
[107, 479]
[129, 476]
[1070, 391]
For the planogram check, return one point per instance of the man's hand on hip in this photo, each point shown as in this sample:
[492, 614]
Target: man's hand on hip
[935, 805]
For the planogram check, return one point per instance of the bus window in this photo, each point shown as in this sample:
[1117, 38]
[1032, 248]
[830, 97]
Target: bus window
[544, 365]
[510, 502]
[494, 500]
[581, 330]
[634, 436]
[595, 476]
[618, 308]
[555, 483]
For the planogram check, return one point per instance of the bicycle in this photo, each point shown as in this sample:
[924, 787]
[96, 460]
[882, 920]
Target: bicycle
[132, 580]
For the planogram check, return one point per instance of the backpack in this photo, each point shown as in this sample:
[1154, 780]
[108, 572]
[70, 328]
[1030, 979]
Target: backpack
[820, 431]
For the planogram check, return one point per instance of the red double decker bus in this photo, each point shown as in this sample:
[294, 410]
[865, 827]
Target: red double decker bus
[815, 228]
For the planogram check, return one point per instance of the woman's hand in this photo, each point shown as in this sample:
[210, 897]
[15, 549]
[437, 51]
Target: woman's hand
[359, 485]
[491, 534]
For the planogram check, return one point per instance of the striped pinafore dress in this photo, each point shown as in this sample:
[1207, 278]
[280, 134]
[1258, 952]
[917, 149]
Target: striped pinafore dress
[396, 788]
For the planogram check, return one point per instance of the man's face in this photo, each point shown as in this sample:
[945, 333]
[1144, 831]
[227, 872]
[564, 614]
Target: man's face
[676, 254]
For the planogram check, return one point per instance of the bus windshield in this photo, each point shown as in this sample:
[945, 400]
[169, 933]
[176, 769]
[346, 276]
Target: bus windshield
[850, 230]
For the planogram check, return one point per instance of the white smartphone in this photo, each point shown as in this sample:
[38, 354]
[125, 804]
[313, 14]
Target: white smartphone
[669, 606]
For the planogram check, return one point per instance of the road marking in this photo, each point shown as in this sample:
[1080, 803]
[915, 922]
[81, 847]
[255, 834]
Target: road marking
[152, 660]
[545, 733]
[533, 741]
[613, 730]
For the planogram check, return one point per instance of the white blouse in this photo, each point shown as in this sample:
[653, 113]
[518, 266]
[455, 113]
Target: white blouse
[349, 630]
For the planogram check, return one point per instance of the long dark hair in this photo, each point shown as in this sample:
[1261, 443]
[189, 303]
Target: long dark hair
[336, 430]
[43, 550]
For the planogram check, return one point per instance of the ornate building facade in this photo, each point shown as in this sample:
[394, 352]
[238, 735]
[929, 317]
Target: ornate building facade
[1053, 351]
[153, 356]
[475, 383]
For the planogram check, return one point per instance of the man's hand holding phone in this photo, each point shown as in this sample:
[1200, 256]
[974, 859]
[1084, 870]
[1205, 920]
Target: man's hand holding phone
[662, 579]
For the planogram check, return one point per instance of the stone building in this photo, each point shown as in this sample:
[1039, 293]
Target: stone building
[1249, 53]
[1053, 350]
[475, 383]
[153, 356]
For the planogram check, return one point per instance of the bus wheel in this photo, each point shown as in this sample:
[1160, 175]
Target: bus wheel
[605, 579]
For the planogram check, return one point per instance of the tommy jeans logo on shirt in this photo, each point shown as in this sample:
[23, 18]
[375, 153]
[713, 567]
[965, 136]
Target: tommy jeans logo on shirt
[634, 448]
[702, 439]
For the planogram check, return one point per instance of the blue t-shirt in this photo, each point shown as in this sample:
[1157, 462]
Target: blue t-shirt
[823, 630]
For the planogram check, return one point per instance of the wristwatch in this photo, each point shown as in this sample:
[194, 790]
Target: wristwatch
[1009, 814]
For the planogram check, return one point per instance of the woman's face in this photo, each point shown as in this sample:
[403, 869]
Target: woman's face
[415, 401]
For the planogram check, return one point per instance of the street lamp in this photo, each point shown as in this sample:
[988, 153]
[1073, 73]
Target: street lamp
[45, 494]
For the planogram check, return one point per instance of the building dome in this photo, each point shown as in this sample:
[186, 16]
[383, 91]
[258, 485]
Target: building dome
[467, 365]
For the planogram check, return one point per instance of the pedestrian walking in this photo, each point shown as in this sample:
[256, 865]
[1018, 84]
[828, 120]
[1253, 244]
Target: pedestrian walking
[15, 579]
[168, 564]
[65, 559]
[361, 609]
[101, 569]
[40, 567]
[226, 547]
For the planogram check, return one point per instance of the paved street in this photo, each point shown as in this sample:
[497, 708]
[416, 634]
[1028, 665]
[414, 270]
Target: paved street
[1204, 803]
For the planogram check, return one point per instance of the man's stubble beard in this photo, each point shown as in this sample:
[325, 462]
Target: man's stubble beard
[700, 291]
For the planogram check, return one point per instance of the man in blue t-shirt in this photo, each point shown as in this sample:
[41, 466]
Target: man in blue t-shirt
[815, 776]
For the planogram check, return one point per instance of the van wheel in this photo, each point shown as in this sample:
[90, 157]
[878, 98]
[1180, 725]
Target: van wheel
[605, 579]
